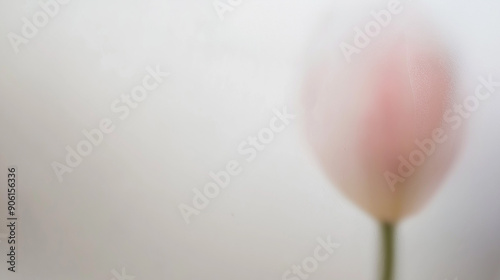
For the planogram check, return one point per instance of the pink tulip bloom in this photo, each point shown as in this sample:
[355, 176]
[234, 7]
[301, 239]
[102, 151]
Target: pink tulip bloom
[362, 118]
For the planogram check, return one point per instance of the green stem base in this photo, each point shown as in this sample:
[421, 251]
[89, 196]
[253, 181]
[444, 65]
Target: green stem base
[388, 234]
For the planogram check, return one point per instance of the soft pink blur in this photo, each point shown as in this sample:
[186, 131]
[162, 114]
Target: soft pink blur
[360, 117]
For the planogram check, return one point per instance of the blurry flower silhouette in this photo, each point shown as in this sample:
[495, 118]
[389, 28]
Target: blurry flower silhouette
[362, 118]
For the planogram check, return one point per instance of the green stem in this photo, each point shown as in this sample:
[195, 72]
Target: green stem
[388, 233]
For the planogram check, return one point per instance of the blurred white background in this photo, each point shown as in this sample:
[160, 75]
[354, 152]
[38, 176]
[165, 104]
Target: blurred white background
[119, 208]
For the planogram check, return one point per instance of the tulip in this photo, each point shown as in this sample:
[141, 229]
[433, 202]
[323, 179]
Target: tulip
[376, 124]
